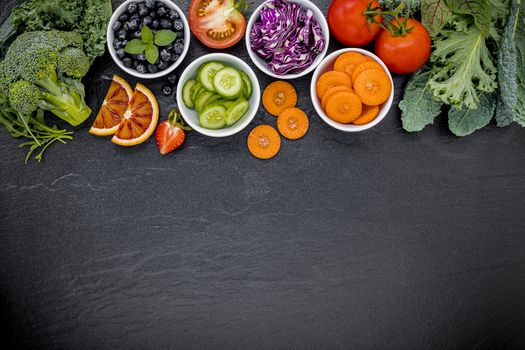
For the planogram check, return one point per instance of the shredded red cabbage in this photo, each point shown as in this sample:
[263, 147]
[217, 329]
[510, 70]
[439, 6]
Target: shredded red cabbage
[287, 37]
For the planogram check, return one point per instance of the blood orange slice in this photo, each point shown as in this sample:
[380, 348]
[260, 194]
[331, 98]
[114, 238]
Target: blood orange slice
[139, 120]
[115, 104]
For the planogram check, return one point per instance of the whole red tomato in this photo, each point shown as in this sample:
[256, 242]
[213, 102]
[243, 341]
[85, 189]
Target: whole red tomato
[404, 54]
[348, 23]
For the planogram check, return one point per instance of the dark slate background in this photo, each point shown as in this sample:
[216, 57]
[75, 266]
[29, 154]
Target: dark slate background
[377, 240]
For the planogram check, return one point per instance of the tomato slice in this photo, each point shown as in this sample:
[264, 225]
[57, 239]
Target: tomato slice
[218, 24]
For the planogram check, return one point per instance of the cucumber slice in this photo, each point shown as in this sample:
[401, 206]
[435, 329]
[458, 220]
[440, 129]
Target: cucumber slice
[228, 82]
[213, 117]
[213, 99]
[186, 94]
[236, 111]
[248, 84]
[206, 73]
[202, 100]
[195, 91]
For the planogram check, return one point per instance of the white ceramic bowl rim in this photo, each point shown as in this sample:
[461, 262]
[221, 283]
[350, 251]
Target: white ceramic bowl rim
[263, 66]
[385, 107]
[255, 99]
[110, 35]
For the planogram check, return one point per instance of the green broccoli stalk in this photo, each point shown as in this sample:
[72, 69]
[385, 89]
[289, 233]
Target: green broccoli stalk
[42, 70]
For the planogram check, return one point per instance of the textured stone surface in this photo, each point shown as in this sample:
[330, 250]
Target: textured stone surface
[375, 240]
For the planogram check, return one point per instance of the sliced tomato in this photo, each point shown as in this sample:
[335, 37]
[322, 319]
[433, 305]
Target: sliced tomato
[218, 24]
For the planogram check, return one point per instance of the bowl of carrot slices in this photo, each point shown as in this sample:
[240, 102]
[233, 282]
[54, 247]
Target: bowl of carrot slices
[352, 90]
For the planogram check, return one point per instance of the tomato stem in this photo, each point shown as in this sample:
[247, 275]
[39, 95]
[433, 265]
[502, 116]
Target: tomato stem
[391, 20]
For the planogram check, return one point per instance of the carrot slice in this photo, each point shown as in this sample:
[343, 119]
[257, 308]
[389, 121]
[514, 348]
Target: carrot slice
[264, 142]
[293, 123]
[371, 64]
[348, 61]
[344, 107]
[278, 96]
[373, 87]
[331, 79]
[368, 114]
[332, 92]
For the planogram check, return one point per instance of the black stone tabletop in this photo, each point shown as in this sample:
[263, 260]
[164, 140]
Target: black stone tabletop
[374, 240]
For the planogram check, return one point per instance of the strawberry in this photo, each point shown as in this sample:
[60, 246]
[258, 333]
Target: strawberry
[171, 133]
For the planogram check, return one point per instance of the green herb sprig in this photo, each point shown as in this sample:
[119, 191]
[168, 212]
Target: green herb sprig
[148, 43]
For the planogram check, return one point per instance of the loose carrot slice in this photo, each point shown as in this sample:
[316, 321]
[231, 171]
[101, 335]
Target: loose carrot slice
[331, 79]
[348, 61]
[368, 114]
[332, 92]
[373, 87]
[264, 142]
[293, 123]
[344, 107]
[278, 96]
[371, 64]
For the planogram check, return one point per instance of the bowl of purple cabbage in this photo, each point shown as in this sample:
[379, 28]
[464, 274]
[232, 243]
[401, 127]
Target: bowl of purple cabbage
[287, 39]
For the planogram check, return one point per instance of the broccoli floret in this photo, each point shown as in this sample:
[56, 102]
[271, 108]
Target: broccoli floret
[43, 70]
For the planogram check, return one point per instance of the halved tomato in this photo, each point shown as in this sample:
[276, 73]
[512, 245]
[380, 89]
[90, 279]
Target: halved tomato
[218, 24]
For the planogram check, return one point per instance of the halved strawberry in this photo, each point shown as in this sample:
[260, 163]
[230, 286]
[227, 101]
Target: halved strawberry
[171, 133]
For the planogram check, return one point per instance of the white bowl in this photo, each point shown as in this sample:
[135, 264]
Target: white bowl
[191, 117]
[261, 64]
[111, 36]
[327, 65]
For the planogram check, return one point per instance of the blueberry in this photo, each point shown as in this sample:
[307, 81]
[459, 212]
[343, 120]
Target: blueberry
[136, 34]
[155, 24]
[135, 64]
[180, 39]
[161, 65]
[116, 26]
[123, 17]
[133, 25]
[146, 21]
[122, 34]
[143, 10]
[172, 78]
[178, 25]
[152, 68]
[141, 56]
[165, 55]
[153, 14]
[174, 58]
[150, 3]
[165, 23]
[180, 36]
[161, 11]
[121, 54]
[166, 90]
[132, 7]
[117, 44]
[173, 15]
[141, 68]
[178, 48]
[127, 62]
[135, 16]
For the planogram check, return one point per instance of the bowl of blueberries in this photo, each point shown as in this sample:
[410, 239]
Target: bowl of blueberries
[148, 38]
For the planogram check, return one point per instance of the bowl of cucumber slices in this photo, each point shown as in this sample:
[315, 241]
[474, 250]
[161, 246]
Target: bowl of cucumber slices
[218, 95]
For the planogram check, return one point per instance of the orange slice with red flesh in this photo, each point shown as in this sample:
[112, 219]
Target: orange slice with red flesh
[139, 120]
[113, 108]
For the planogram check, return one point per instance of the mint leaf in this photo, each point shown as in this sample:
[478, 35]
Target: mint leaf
[418, 107]
[134, 47]
[434, 15]
[152, 54]
[465, 121]
[479, 9]
[146, 35]
[165, 37]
